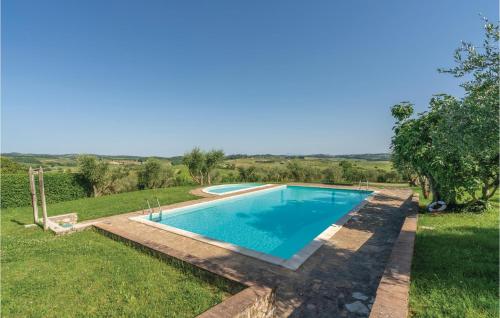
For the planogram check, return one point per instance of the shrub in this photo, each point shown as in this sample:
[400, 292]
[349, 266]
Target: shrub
[153, 174]
[333, 175]
[59, 187]
[10, 166]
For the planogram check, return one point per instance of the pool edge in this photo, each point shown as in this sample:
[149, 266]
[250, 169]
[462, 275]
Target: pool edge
[293, 263]
[234, 191]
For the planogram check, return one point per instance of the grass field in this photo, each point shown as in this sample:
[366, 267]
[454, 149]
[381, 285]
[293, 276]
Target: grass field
[87, 274]
[455, 266]
[320, 163]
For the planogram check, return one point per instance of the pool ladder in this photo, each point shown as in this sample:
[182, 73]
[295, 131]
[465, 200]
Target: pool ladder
[360, 184]
[151, 211]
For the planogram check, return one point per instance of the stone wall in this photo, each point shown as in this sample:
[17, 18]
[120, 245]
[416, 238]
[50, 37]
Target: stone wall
[252, 302]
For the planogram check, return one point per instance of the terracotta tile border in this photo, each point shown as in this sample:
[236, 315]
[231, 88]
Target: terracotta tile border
[392, 297]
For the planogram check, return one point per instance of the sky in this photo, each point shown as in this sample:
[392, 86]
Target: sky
[281, 77]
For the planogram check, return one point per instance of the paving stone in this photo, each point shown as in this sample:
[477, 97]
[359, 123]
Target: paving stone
[357, 307]
[359, 296]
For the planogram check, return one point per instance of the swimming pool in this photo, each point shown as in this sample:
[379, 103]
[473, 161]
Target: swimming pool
[232, 188]
[275, 224]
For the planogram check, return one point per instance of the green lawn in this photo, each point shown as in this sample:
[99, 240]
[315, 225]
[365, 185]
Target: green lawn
[455, 265]
[87, 274]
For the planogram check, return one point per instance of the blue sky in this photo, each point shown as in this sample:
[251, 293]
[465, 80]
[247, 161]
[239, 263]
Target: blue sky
[283, 77]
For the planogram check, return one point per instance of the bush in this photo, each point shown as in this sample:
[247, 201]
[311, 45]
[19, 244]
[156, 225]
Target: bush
[153, 174]
[333, 175]
[9, 166]
[59, 187]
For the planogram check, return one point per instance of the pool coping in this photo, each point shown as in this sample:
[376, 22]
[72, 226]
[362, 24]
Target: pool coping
[294, 262]
[234, 191]
[392, 295]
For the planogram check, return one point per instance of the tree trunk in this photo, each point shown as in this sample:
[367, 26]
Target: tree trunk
[436, 196]
[486, 193]
[424, 185]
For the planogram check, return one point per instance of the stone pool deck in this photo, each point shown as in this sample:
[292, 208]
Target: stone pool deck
[339, 280]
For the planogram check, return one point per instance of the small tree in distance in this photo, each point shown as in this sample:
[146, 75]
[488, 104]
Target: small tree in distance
[95, 172]
[153, 174]
[201, 164]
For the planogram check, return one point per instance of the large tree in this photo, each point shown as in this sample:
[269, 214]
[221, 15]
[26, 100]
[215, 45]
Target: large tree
[453, 147]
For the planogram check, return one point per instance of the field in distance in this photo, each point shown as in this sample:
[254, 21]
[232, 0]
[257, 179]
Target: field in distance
[68, 162]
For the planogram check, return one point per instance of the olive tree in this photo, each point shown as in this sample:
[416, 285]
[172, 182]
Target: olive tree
[212, 159]
[201, 164]
[153, 174]
[195, 162]
[95, 171]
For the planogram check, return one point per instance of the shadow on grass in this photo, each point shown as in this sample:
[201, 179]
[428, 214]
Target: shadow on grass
[456, 272]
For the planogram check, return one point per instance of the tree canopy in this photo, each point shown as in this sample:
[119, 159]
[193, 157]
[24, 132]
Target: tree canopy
[453, 147]
[201, 164]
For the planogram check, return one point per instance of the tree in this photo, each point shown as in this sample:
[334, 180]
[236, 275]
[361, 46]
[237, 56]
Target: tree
[453, 147]
[333, 174]
[212, 159]
[477, 128]
[95, 172]
[201, 164]
[153, 174]
[296, 170]
[246, 173]
[195, 162]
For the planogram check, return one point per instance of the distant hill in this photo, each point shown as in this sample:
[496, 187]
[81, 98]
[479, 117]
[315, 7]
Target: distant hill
[34, 159]
[366, 156]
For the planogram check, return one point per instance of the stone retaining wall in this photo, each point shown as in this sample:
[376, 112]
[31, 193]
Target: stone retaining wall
[252, 302]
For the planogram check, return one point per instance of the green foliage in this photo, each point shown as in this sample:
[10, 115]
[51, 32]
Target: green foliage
[195, 162]
[95, 172]
[9, 166]
[453, 147]
[333, 175]
[402, 111]
[153, 174]
[58, 187]
[201, 165]
[212, 159]
[120, 179]
[247, 174]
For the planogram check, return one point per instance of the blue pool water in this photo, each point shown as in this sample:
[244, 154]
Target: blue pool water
[279, 222]
[225, 188]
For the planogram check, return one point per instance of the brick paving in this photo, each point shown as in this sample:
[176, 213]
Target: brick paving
[353, 260]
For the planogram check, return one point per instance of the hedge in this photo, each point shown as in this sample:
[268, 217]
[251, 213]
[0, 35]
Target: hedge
[59, 187]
